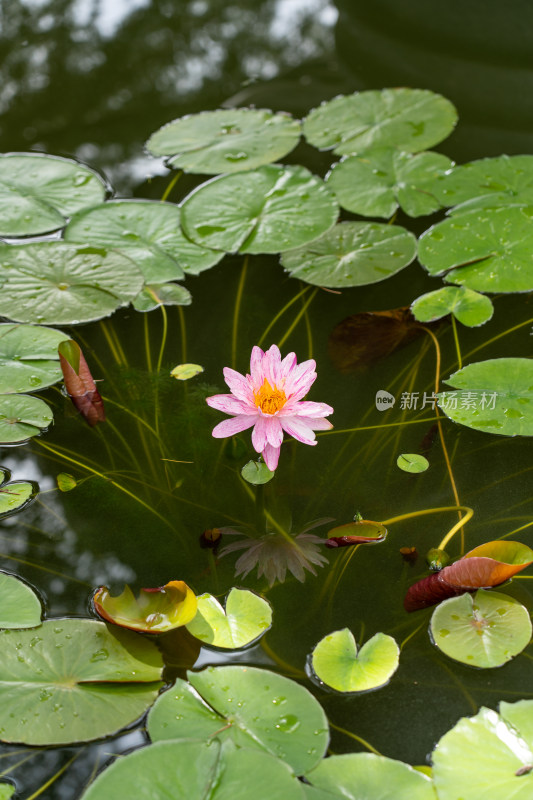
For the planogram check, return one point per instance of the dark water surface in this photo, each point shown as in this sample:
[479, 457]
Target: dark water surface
[93, 84]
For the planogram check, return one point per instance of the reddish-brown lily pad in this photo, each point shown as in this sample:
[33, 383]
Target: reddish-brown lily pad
[490, 564]
[154, 611]
[362, 531]
[79, 382]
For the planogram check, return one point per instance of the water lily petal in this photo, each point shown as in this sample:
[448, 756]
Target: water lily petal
[256, 367]
[230, 404]
[229, 427]
[305, 408]
[299, 428]
[318, 424]
[271, 457]
[238, 385]
[287, 365]
[274, 431]
[300, 380]
[272, 365]
[259, 435]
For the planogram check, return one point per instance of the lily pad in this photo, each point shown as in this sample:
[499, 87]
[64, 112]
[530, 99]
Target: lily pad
[469, 307]
[7, 790]
[73, 680]
[147, 232]
[494, 396]
[412, 462]
[154, 611]
[505, 180]
[253, 707]
[15, 495]
[192, 770]
[366, 776]
[246, 618]
[488, 250]
[28, 357]
[184, 372]
[377, 182]
[225, 140]
[19, 605]
[336, 662]
[257, 473]
[408, 119]
[501, 753]
[485, 630]
[66, 482]
[360, 531]
[61, 284]
[266, 210]
[352, 254]
[21, 417]
[162, 294]
[38, 192]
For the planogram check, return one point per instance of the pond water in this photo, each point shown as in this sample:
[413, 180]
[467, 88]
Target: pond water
[93, 82]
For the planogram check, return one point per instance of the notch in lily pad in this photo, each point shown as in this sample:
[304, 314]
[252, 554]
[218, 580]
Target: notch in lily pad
[15, 495]
[469, 307]
[338, 664]
[22, 416]
[246, 617]
[153, 611]
[412, 462]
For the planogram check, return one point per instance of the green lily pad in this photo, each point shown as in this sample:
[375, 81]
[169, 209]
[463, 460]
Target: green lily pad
[469, 307]
[366, 776]
[73, 680]
[62, 284]
[377, 182]
[488, 250]
[28, 357]
[408, 119]
[147, 232]
[485, 757]
[184, 372]
[21, 417]
[19, 605]
[153, 611]
[191, 770]
[336, 662]
[257, 473]
[162, 294]
[7, 790]
[412, 462]
[266, 210]
[38, 192]
[505, 180]
[485, 630]
[352, 254]
[66, 482]
[229, 140]
[246, 618]
[15, 495]
[495, 396]
[253, 707]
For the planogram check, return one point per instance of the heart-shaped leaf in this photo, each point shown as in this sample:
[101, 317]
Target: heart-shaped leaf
[154, 611]
[162, 294]
[409, 119]
[469, 307]
[21, 417]
[38, 192]
[257, 473]
[61, 284]
[352, 254]
[19, 605]
[225, 140]
[337, 663]
[246, 618]
[73, 680]
[28, 357]
[266, 210]
[485, 630]
[253, 707]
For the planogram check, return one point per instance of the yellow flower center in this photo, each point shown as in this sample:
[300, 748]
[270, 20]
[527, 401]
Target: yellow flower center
[269, 398]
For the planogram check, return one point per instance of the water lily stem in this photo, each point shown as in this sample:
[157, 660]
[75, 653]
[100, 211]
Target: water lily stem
[280, 313]
[356, 737]
[457, 345]
[236, 312]
[297, 318]
[171, 185]
[469, 513]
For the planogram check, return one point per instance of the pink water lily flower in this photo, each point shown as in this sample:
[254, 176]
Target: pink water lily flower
[270, 400]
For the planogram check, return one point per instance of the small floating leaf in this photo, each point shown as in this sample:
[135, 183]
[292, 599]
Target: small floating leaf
[184, 372]
[19, 605]
[161, 294]
[256, 473]
[338, 664]
[253, 707]
[485, 630]
[409, 119]
[266, 210]
[28, 357]
[21, 417]
[361, 531]
[38, 192]
[225, 140]
[66, 482]
[412, 462]
[154, 611]
[352, 254]
[246, 618]
[469, 307]
[79, 383]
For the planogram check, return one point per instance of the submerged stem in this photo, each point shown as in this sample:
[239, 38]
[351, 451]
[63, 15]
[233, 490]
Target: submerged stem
[297, 318]
[236, 311]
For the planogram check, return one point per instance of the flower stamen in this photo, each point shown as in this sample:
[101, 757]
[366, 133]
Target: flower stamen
[269, 398]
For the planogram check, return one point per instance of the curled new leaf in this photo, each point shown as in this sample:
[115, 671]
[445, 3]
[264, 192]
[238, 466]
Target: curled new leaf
[79, 382]
[154, 611]
[362, 531]
[485, 566]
